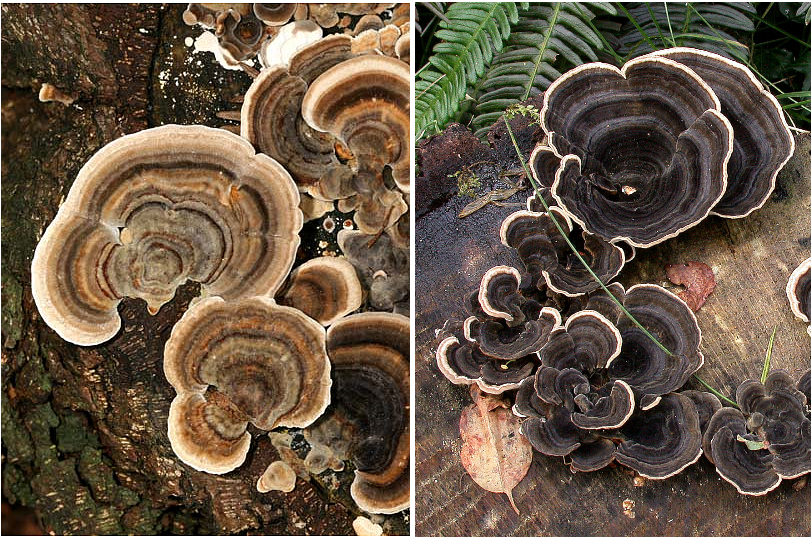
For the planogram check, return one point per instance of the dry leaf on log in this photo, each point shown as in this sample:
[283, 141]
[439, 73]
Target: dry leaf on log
[494, 453]
[698, 280]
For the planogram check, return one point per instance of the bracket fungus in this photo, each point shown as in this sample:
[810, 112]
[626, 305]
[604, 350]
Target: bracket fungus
[461, 361]
[278, 476]
[274, 14]
[497, 346]
[325, 288]
[364, 93]
[641, 164]
[763, 143]
[545, 254]
[241, 35]
[382, 267]
[154, 209]
[271, 119]
[662, 441]
[370, 362]
[798, 290]
[645, 366]
[267, 362]
[364, 103]
[767, 440]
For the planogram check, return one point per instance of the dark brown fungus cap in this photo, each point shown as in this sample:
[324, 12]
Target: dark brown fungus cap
[154, 209]
[383, 269]
[370, 358]
[274, 14]
[543, 164]
[544, 252]
[325, 288]
[555, 434]
[241, 35]
[725, 444]
[648, 369]
[499, 296]
[798, 291]
[636, 173]
[707, 405]
[462, 362]
[527, 403]
[662, 441]
[777, 412]
[364, 102]
[763, 142]
[767, 440]
[271, 120]
[267, 362]
[587, 342]
[502, 342]
[608, 407]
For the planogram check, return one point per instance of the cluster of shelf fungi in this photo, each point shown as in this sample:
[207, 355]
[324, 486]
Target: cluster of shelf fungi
[324, 123]
[632, 157]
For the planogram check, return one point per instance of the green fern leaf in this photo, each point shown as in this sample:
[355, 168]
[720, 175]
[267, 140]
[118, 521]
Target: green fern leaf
[475, 32]
[548, 39]
[654, 26]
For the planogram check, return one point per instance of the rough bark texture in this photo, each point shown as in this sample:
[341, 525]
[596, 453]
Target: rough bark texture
[84, 429]
[752, 259]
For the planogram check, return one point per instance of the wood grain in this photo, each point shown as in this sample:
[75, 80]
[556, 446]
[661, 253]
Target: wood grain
[752, 259]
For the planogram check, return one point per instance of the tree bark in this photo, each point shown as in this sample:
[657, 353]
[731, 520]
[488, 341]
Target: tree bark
[84, 429]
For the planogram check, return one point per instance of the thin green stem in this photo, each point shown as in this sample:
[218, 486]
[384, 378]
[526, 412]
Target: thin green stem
[637, 26]
[715, 392]
[432, 8]
[768, 362]
[572, 246]
[565, 236]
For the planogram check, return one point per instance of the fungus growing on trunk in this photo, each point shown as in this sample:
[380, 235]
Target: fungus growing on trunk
[370, 361]
[269, 363]
[325, 288]
[154, 209]
[763, 143]
[546, 255]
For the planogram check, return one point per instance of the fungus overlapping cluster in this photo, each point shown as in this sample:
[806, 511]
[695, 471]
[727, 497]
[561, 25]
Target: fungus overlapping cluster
[640, 154]
[631, 157]
[155, 209]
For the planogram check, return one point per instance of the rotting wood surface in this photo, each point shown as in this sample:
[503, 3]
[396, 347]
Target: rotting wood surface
[752, 259]
[84, 429]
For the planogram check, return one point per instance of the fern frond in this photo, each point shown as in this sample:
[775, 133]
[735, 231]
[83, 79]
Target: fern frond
[654, 26]
[475, 32]
[548, 39]
[805, 9]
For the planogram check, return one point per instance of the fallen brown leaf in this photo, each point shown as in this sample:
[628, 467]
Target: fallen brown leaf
[698, 280]
[494, 453]
[491, 197]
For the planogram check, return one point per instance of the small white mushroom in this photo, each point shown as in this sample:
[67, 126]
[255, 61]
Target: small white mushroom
[364, 526]
[278, 476]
